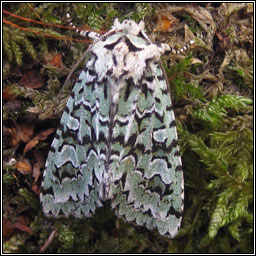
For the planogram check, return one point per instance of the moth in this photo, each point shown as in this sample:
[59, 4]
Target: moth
[117, 137]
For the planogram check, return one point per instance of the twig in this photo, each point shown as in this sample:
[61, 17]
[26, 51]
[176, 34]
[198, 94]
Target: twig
[49, 240]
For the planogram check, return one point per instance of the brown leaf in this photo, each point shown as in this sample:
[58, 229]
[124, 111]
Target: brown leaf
[166, 22]
[22, 224]
[54, 59]
[14, 138]
[25, 220]
[23, 167]
[22, 227]
[9, 93]
[41, 136]
[32, 79]
[13, 106]
[36, 189]
[223, 40]
[25, 132]
[18, 132]
[57, 61]
[7, 137]
[7, 228]
[40, 161]
[32, 143]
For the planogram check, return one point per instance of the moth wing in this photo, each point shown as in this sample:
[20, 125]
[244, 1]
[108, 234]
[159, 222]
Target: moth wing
[147, 176]
[73, 176]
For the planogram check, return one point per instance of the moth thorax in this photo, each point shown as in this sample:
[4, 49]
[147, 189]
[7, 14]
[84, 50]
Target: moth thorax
[129, 26]
[119, 53]
[115, 90]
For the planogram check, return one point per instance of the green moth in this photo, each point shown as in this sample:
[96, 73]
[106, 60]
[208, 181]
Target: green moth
[117, 137]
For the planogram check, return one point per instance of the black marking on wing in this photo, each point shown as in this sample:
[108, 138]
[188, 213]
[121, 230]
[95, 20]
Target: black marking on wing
[157, 100]
[47, 191]
[159, 117]
[128, 89]
[131, 141]
[114, 60]
[131, 46]
[169, 108]
[122, 124]
[172, 124]
[112, 46]
[164, 91]
[149, 79]
[178, 168]
[172, 211]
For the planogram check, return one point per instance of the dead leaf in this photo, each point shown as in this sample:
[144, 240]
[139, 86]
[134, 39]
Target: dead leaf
[25, 132]
[13, 106]
[14, 139]
[22, 224]
[36, 189]
[7, 228]
[22, 227]
[57, 61]
[22, 133]
[31, 144]
[18, 132]
[7, 137]
[166, 22]
[40, 161]
[223, 40]
[32, 79]
[9, 93]
[54, 59]
[23, 167]
[41, 136]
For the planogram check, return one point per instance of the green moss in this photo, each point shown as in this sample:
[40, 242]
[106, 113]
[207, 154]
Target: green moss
[212, 95]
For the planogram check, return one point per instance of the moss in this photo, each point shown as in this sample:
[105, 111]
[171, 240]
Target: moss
[212, 95]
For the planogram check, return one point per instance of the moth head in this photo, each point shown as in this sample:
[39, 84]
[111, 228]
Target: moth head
[129, 26]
